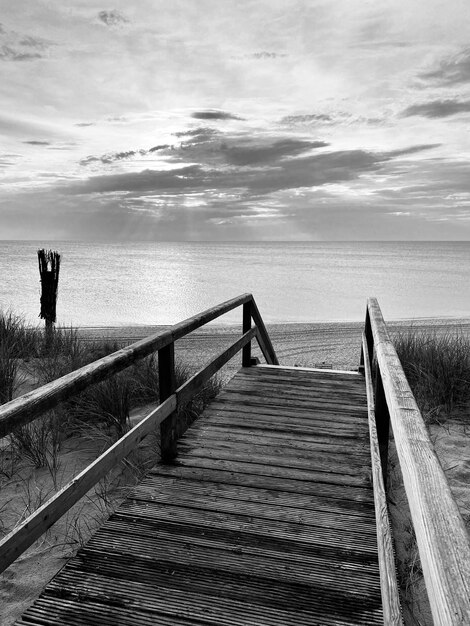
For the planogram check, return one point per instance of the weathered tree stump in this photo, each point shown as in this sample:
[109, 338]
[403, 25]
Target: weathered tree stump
[49, 267]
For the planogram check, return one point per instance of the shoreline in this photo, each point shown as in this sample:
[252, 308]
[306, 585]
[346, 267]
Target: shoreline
[316, 344]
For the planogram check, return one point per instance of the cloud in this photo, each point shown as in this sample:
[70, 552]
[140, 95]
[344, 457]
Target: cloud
[214, 115]
[453, 70]
[337, 118]
[162, 146]
[112, 18]
[18, 47]
[438, 108]
[84, 124]
[112, 157]
[246, 182]
[272, 151]
[198, 134]
[267, 55]
[292, 120]
[34, 142]
[210, 146]
[8, 159]
[9, 54]
[413, 149]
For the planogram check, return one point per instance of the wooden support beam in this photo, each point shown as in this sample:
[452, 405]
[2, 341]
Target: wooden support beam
[246, 354]
[388, 579]
[263, 338]
[167, 387]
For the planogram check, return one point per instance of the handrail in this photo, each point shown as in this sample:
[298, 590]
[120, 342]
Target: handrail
[29, 406]
[388, 578]
[443, 543]
[26, 408]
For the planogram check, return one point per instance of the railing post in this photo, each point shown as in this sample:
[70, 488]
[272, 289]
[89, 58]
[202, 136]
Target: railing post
[370, 344]
[167, 387]
[382, 420]
[246, 353]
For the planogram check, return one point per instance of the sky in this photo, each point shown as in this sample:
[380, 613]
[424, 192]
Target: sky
[187, 120]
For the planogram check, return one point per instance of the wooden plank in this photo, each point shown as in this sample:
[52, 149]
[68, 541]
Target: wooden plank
[350, 379]
[259, 509]
[279, 427]
[359, 497]
[316, 396]
[329, 606]
[254, 454]
[268, 470]
[388, 573]
[277, 423]
[442, 539]
[167, 484]
[16, 542]
[204, 607]
[275, 447]
[274, 566]
[221, 407]
[318, 435]
[287, 414]
[248, 398]
[311, 370]
[208, 435]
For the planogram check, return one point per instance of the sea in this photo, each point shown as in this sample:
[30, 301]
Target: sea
[128, 283]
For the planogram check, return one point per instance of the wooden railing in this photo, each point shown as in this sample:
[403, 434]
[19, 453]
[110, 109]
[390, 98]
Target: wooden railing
[443, 542]
[29, 406]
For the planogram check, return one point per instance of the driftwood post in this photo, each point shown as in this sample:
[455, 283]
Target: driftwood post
[49, 266]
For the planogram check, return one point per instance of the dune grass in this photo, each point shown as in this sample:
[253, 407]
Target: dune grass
[104, 407]
[437, 366]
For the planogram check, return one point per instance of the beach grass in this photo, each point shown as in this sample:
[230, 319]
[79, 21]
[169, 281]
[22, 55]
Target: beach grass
[104, 407]
[437, 366]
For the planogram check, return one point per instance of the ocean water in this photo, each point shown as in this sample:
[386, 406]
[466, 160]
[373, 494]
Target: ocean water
[113, 284]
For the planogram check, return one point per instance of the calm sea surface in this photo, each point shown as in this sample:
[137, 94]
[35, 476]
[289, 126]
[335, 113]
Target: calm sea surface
[163, 283]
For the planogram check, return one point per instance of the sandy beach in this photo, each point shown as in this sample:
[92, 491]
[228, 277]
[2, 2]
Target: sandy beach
[333, 345]
[327, 344]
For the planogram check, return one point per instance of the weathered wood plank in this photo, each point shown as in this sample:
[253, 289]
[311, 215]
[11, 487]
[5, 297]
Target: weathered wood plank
[360, 497]
[272, 566]
[253, 454]
[339, 454]
[222, 408]
[270, 423]
[314, 437]
[443, 542]
[167, 484]
[388, 573]
[211, 435]
[269, 470]
[258, 509]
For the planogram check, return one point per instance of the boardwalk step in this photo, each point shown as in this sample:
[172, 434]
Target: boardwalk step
[266, 517]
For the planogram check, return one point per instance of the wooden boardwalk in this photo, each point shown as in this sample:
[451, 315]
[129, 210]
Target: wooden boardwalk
[266, 517]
